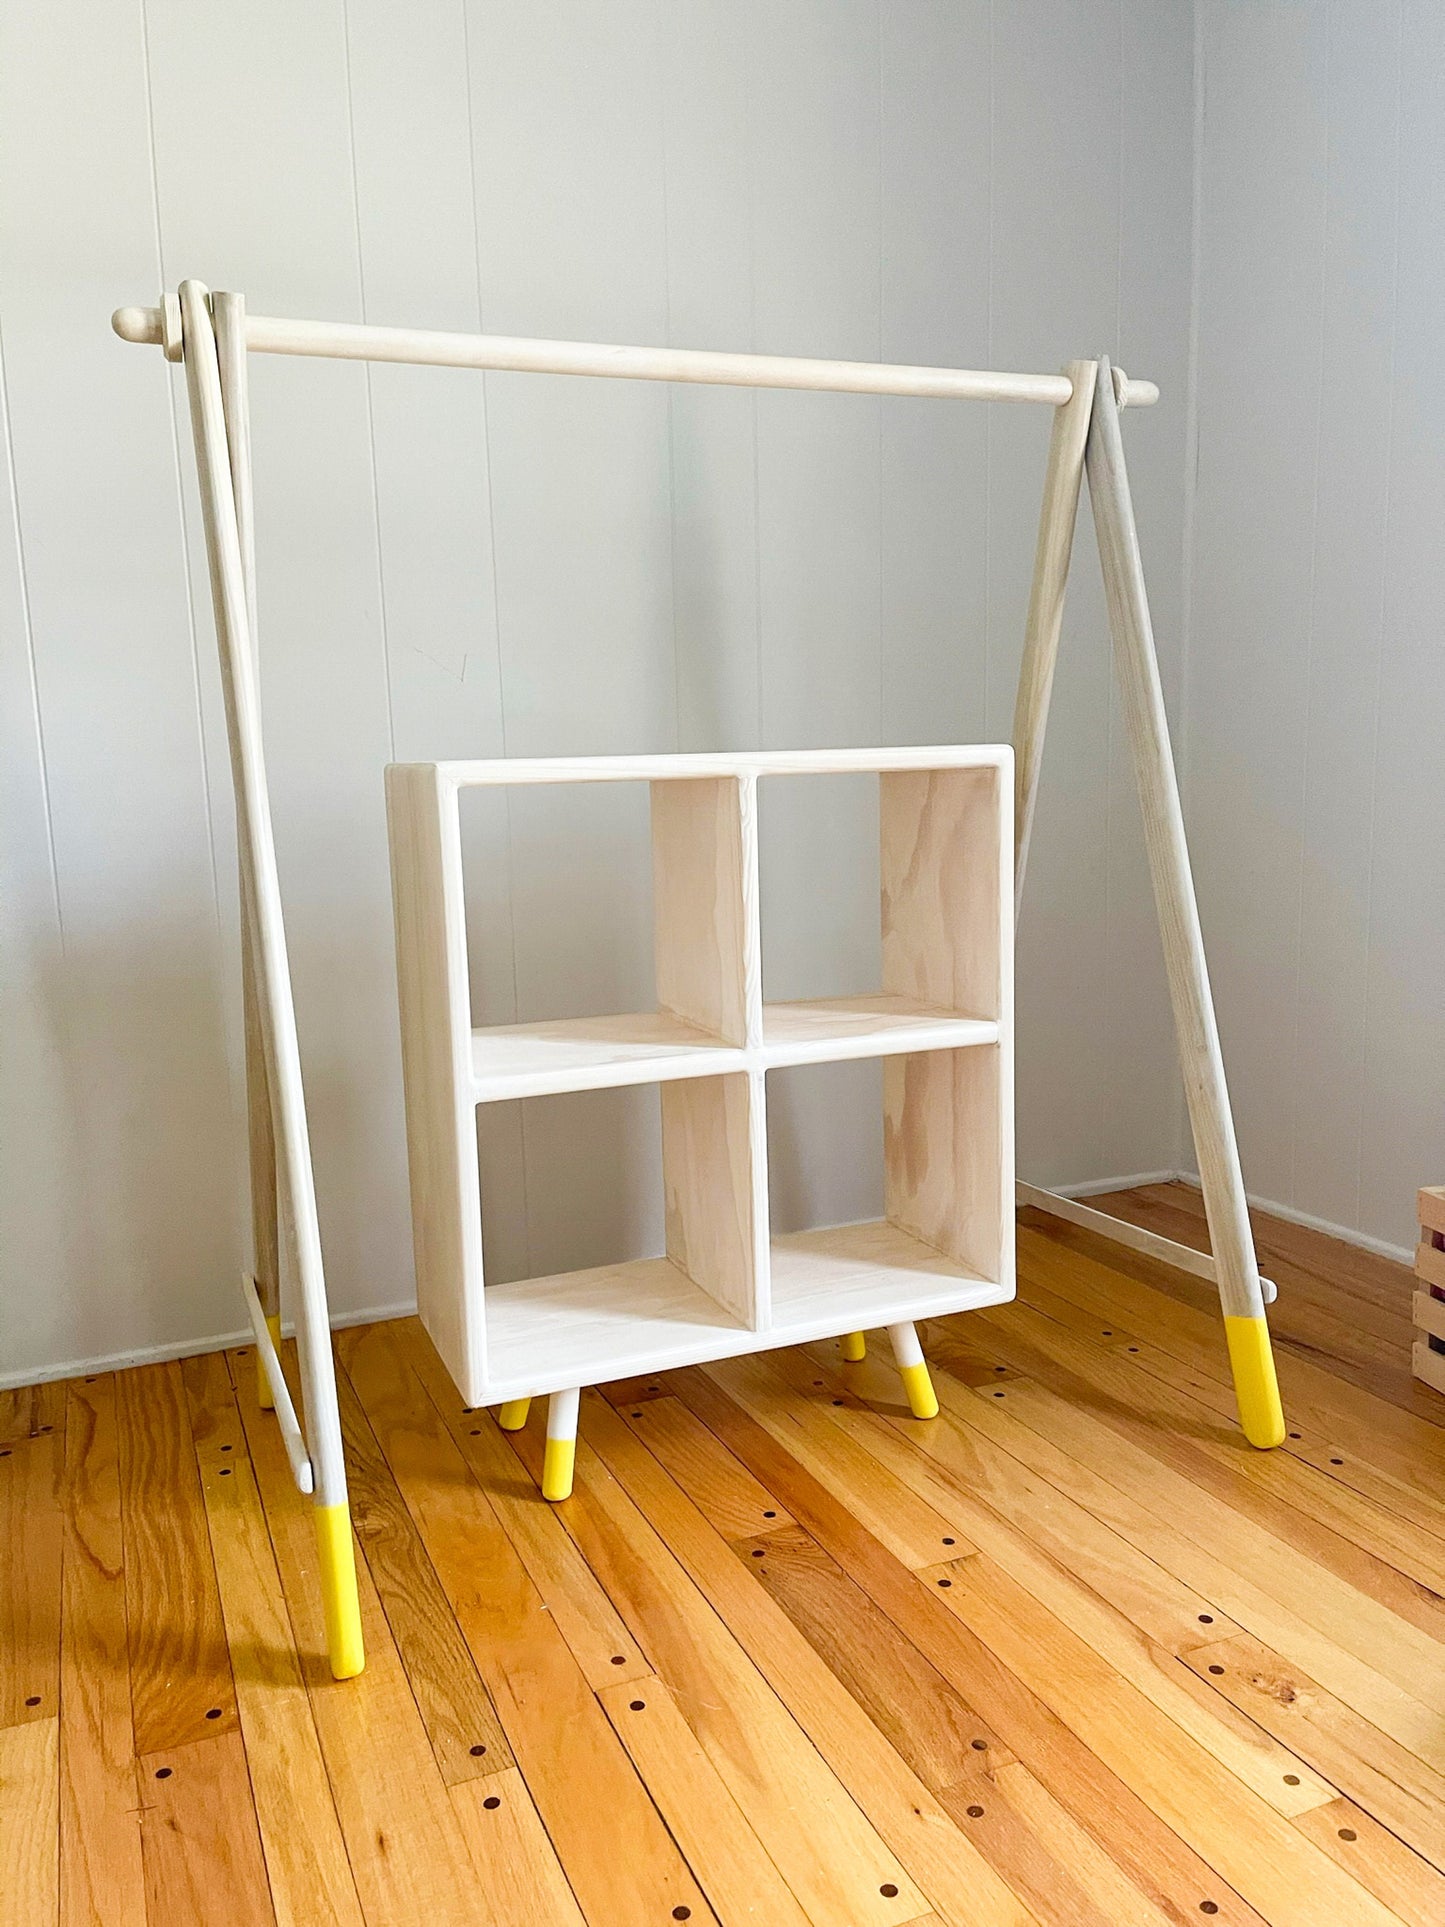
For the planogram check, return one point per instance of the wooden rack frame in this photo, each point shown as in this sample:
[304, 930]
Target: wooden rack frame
[212, 334]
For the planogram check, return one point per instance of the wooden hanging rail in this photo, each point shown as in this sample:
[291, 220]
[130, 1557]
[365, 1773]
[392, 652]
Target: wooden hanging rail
[517, 354]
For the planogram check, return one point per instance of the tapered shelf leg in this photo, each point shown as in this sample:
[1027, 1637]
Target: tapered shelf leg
[513, 1415]
[908, 1355]
[561, 1452]
[854, 1347]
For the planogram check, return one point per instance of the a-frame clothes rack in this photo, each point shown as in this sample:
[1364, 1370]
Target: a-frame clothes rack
[212, 335]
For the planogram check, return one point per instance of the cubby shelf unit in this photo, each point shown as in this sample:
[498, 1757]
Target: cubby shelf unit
[942, 1019]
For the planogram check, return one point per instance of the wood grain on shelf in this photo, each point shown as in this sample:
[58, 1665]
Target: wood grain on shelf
[942, 884]
[708, 1126]
[593, 1053]
[1145, 1685]
[944, 1154]
[704, 922]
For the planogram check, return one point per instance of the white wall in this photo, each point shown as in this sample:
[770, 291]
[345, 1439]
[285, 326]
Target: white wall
[1316, 693]
[452, 565]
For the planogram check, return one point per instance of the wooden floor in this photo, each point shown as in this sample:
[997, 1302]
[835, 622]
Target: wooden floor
[1072, 1653]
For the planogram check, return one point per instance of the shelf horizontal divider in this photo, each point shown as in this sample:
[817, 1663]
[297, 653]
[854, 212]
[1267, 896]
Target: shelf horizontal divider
[593, 1053]
[878, 1024]
[647, 1315]
[648, 1047]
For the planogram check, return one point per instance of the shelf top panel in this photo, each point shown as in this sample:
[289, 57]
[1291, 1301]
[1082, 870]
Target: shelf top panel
[881, 1024]
[653, 769]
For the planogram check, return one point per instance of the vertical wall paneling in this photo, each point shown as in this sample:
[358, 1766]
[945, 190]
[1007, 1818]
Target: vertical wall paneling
[1056, 198]
[458, 565]
[130, 1007]
[1315, 681]
[1402, 1120]
[244, 139]
[817, 133]
[411, 118]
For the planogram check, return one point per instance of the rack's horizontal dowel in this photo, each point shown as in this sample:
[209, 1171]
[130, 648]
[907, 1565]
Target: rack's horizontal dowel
[349, 341]
[1121, 1232]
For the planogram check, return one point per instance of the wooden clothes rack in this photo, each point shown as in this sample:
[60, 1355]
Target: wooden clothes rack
[212, 335]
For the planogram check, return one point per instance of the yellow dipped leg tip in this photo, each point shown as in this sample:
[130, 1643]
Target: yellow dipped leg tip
[922, 1400]
[513, 1415]
[854, 1347]
[557, 1463]
[1255, 1387]
[338, 1591]
[263, 1384]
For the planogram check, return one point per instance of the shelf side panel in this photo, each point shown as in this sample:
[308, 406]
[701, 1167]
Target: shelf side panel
[700, 875]
[946, 1176]
[939, 836]
[432, 986]
[708, 1162]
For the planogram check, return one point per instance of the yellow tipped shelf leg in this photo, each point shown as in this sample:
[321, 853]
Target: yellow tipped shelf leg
[513, 1415]
[854, 1347]
[908, 1354]
[1255, 1387]
[263, 1384]
[338, 1590]
[561, 1452]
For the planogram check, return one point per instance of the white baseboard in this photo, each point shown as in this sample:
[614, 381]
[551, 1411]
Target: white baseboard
[1381, 1248]
[1096, 1187]
[190, 1348]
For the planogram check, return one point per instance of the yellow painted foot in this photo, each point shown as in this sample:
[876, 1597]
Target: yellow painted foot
[338, 1591]
[513, 1415]
[922, 1399]
[263, 1384]
[1256, 1388]
[854, 1347]
[561, 1453]
[557, 1463]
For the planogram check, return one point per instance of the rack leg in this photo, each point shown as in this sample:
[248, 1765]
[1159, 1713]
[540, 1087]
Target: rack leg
[338, 1590]
[513, 1415]
[1231, 1239]
[854, 1347]
[912, 1369]
[561, 1452]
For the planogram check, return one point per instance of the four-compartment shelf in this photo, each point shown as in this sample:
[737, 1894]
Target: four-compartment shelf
[942, 1020]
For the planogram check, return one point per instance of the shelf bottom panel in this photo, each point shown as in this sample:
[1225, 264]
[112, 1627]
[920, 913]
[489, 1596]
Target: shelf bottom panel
[618, 1321]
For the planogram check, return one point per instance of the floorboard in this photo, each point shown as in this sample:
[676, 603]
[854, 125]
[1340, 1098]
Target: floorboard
[1071, 1654]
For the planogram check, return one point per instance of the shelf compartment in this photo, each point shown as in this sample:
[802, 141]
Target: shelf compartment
[593, 1053]
[858, 1276]
[584, 1327]
[819, 1030]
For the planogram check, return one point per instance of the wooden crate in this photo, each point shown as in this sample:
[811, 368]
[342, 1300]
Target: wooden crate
[942, 1018]
[1429, 1300]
